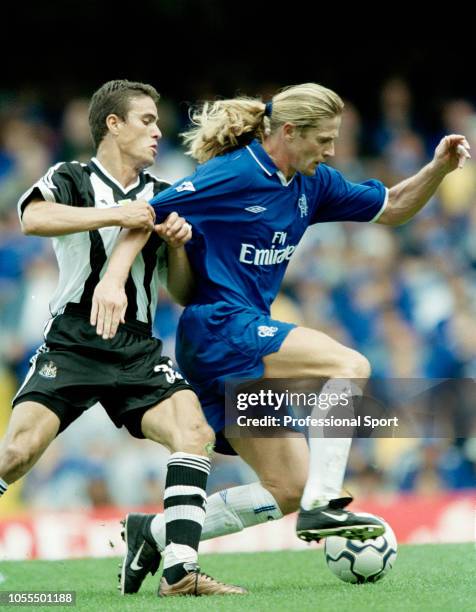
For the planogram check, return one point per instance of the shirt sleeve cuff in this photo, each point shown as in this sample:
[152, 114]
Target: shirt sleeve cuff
[384, 206]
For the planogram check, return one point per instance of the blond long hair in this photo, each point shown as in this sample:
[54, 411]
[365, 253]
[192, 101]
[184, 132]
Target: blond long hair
[224, 125]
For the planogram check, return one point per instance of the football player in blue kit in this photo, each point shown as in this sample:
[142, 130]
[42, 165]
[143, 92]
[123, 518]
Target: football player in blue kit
[261, 181]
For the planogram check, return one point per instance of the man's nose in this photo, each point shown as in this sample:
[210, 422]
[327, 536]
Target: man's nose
[330, 151]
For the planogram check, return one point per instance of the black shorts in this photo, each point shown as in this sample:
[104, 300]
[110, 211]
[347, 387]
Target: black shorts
[76, 368]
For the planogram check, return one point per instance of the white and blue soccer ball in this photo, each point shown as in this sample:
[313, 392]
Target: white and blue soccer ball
[359, 562]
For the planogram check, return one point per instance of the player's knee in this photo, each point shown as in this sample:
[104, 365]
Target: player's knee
[360, 366]
[355, 366]
[198, 438]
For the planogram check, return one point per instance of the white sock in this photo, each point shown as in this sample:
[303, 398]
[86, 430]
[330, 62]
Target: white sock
[229, 511]
[3, 487]
[328, 456]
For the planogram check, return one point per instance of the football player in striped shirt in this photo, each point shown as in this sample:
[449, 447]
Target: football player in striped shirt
[83, 207]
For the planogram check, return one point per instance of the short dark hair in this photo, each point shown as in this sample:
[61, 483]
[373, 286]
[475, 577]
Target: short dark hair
[113, 98]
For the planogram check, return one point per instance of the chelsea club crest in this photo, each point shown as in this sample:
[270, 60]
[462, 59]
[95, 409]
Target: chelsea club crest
[302, 203]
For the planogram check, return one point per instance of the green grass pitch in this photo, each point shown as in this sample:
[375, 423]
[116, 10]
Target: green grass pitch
[425, 577]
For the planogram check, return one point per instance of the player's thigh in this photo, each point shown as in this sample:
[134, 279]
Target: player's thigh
[308, 353]
[281, 463]
[32, 427]
[178, 423]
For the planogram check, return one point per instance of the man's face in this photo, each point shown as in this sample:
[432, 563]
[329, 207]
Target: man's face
[312, 146]
[139, 134]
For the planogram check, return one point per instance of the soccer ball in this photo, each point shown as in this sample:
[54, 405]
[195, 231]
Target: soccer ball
[358, 562]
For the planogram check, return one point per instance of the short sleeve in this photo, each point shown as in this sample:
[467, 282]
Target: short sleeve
[204, 194]
[338, 199]
[59, 184]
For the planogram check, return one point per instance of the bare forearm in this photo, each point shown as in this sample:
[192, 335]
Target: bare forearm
[48, 219]
[126, 250]
[408, 197]
[180, 279]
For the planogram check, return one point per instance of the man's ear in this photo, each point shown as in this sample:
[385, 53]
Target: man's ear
[290, 131]
[113, 122]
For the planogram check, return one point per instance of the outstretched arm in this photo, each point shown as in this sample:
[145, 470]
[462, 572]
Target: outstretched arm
[409, 196]
[42, 218]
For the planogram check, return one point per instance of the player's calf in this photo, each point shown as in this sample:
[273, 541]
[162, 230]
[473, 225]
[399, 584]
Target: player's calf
[16, 461]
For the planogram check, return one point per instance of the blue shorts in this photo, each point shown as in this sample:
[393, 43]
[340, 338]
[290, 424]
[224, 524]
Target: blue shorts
[216, 342]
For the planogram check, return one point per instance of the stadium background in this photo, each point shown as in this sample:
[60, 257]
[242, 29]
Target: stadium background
[405, 297]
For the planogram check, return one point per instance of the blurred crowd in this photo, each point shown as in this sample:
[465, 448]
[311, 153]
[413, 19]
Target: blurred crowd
[405, 297]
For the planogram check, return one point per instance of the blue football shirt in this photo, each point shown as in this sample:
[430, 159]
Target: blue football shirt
[248, 220]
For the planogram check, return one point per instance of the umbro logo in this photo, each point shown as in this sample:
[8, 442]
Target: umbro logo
[185, 186]
[255, 209]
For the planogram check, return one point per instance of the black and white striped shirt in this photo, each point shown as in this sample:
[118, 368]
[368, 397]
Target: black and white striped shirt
[82, 256]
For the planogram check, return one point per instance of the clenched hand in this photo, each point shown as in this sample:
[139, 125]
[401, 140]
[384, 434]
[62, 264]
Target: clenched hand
[175, 230]
[137, 214]
[452, 152]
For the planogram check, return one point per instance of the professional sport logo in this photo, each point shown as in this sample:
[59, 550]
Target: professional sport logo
[266, 331]
[48, 370]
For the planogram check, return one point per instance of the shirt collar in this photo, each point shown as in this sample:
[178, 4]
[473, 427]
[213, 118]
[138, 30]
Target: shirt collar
[257, 152]
[109, 176]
